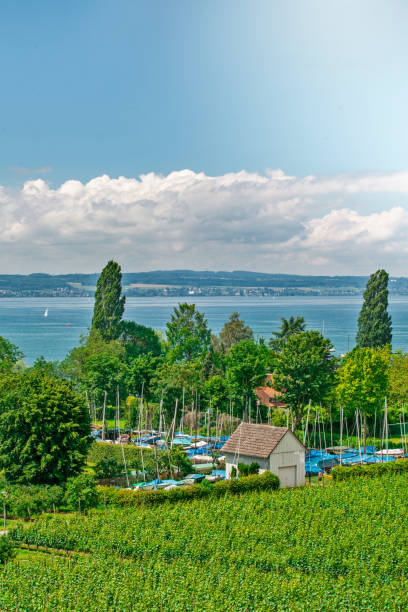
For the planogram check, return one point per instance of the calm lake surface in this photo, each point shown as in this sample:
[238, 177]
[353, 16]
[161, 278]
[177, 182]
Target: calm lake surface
[22, 320]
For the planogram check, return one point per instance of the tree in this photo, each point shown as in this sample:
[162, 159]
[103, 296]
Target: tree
[398, 383]
[140, 372]
[374, 322]
[109, 303]
[138, 339]
[169, 381]
[188, 335]
[304, 370]
[247, 366]
[288, 328]
[97, 366]
[235, 330]
[81, 493]
[363, 381]
[44, 428]
[9, 354]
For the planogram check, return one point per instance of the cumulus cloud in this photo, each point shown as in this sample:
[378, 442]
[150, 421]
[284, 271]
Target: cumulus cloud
[271, 222]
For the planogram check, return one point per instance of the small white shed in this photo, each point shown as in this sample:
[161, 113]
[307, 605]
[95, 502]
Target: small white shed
[275, 449]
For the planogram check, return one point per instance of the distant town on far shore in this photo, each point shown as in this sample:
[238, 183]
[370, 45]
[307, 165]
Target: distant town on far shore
[184, 283]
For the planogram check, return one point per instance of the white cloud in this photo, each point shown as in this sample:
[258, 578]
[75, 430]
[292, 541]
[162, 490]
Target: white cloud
[271, 222]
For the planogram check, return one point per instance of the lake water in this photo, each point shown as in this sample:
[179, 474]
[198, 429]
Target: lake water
[22, 320]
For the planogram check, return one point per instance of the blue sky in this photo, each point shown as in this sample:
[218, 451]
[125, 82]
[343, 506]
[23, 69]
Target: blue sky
[127, 88]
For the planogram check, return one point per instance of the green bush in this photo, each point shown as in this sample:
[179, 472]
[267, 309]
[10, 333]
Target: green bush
[24, 501]
[128, 498]
[81, 493]
[343, 472]
[247, 470]
[108, 467]
[7, 549]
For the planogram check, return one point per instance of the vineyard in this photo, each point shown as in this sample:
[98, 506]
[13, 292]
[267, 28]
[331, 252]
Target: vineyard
[335, 548]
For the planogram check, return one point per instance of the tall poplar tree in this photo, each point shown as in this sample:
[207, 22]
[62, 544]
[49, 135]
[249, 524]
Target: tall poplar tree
[109, 302]
[374, 322]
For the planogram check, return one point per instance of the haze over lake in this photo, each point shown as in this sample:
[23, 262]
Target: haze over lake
[22, 320]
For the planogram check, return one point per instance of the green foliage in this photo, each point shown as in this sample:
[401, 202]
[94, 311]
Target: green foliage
[363, 380]
[341, 472]
[234, 331]
[374, 322]
[44, 428]
[7, 549]
[139, 340]
[108, 467]
[397, 392]
[109, 302]
[97, 366]
[188, 335]
[289, 327]
[178, 460]
[251, 482]
[171, 378]
[312, 548]
[81, 493]
[247, 364]
[216, 390]
[9, 355]
[29, 500]
[247, 470]
[304, 370]
[140, 372]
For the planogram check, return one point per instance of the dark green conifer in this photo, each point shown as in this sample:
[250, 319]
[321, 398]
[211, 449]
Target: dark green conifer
[374, 322]
[109, 302]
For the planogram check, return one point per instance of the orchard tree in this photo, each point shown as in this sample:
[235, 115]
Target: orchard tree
[44, 429]
[188, 335]
[109, 302]
[304, 370]
[374, 322]
[363, 382]
[289, 327]
[234, 331]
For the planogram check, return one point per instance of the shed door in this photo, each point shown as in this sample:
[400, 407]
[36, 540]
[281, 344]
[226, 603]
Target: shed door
[288, 476]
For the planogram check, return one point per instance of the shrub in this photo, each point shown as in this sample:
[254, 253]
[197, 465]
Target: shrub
[343, 472]
[81, 493]
[7, 549]
[23, 501]
[108, 467]
[128, 498]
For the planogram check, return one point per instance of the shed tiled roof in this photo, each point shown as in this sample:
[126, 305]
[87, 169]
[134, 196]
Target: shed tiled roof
[254, 440]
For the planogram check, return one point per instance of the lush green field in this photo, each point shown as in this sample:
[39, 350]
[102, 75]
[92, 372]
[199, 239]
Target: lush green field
[341, 547]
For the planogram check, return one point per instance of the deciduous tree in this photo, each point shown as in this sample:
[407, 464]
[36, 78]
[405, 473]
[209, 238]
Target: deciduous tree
[235, 330]
[188, 335]
[304, 370]
[44, 429]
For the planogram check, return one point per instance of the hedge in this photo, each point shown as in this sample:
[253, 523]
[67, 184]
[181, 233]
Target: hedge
[343, 472]
[128, 498]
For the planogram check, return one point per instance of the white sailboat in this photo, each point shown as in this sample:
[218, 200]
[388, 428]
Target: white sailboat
[46, 312]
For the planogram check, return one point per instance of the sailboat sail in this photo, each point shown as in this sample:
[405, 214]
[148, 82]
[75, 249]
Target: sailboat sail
[46, 312]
